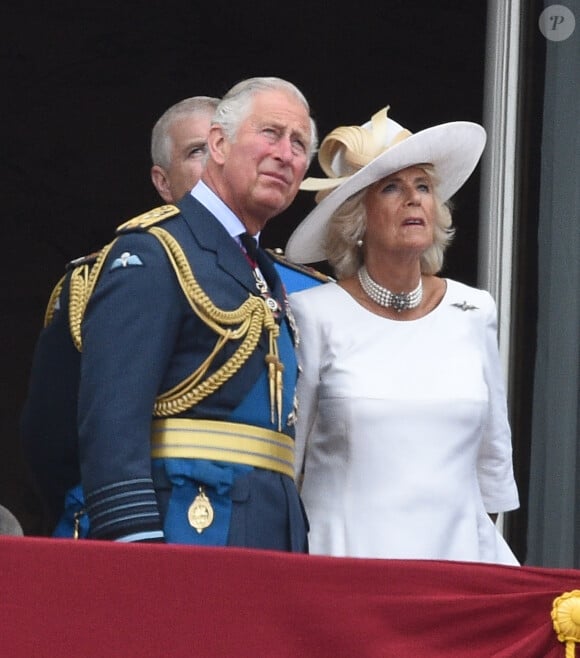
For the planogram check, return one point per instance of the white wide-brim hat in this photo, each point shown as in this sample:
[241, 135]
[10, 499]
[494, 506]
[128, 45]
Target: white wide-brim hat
[354, 157]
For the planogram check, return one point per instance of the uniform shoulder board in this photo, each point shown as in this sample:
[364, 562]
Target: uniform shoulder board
[278, 256]
[150, 218]
[89, 259]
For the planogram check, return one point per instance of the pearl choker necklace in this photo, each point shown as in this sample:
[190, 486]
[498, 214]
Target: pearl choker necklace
[402, 301]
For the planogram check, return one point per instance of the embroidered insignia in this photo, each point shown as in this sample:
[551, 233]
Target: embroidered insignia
[464, 306]
[144, 221]
[126, 259]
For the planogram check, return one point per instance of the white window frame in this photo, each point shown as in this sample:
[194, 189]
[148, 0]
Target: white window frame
[498, 167]
[497, 206]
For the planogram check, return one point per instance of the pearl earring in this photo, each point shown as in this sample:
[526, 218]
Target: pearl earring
[359, 243]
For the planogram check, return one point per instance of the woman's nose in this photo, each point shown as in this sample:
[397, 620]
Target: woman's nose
[413, 197]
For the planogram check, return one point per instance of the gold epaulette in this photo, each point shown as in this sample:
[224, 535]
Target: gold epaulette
[147, 219]
[53, 302]
[278, 255]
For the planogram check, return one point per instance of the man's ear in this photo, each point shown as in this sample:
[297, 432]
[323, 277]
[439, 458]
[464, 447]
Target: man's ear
[161, 182]
[217, 144]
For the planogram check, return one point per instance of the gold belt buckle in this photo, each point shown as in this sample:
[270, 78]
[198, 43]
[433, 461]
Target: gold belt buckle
[200, 513]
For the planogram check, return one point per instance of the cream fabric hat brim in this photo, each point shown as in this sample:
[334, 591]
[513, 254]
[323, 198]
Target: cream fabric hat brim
[452, 149]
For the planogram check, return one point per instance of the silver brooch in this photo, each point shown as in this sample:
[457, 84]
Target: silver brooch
[464, 306]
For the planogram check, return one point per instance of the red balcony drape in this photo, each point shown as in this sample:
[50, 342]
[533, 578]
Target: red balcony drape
[66, 598]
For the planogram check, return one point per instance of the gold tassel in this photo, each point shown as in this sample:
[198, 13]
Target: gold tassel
[566, 620]
[271, 361]
[279, 391]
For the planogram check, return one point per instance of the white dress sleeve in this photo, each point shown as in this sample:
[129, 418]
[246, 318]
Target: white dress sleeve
[309, 355]
[494, 464]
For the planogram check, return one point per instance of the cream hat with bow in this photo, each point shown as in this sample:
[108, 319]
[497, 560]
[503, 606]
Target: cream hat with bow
[354, 157]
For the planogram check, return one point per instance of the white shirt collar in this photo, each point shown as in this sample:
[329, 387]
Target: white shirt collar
[225, 216]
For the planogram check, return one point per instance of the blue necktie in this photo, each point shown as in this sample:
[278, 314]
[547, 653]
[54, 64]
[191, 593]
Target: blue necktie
[250, 245]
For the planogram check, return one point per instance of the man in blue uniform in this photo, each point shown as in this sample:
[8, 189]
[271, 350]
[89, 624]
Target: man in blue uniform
[49, 417]
[186, 399]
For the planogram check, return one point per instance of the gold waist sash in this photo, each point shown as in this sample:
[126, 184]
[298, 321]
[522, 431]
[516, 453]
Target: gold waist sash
[190, 438]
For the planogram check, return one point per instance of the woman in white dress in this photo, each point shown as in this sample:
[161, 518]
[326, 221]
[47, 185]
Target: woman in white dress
[403, 443]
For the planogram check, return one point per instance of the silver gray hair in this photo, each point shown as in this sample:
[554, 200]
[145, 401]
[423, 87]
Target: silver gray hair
[161, 140]
[236, 105]
[348, 225]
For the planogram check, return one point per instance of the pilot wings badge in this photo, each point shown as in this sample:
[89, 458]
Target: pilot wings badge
[464, 306]
[126, 259]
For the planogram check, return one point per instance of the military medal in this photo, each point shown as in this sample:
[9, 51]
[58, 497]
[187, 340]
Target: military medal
[77, 523]
[293, 415]
[292, 323]
[200, 512]
[264, 290]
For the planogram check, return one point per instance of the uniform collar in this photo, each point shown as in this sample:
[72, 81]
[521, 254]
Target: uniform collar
[223, 213]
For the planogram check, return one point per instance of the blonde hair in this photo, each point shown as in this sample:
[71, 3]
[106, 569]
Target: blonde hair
[347, 226]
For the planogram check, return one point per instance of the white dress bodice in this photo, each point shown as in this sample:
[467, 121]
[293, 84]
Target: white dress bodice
[402, 430]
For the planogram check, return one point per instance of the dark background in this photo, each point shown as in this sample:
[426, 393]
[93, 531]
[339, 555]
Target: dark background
[84, 83]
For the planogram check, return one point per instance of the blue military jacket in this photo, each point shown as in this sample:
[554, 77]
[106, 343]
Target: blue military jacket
[48, 423]
[142, 336]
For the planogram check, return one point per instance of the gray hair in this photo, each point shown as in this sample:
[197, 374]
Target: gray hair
[161, 140]
[347, 226]
[236, 105]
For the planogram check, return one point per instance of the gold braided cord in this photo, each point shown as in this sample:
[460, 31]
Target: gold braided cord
[247, 322]
[77, 303]
[566, 620]
[51, 306]
[82, 283]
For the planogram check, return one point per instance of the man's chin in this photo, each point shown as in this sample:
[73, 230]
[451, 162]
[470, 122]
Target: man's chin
[275, 203]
